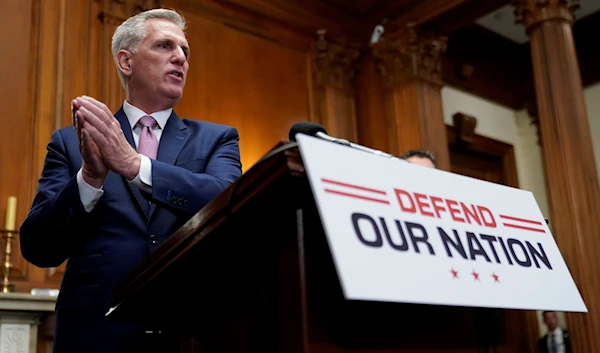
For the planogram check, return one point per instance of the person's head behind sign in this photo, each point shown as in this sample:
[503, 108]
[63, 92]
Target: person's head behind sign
[421, 157]
[551, 320]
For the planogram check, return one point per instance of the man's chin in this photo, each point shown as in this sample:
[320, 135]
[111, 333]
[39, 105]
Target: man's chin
[175, 99]
[174, 94]
[171, 98]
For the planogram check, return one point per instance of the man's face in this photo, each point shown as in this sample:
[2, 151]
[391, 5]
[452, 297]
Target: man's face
[160, 66]
[425, 162]
[551, 320]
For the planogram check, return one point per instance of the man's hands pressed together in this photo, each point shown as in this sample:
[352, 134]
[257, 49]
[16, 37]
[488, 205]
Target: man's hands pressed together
[93, 170]
[102, 142]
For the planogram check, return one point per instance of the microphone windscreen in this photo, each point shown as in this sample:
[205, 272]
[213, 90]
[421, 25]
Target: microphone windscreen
[306, 128]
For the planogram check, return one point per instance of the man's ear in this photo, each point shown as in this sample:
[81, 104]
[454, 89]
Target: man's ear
[125, 62]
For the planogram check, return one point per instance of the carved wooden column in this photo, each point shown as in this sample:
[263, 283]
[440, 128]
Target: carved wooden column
[333, 104]
[410, 65]
[571, 176]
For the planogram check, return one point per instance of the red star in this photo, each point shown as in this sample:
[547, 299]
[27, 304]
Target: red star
[454, 273]
[496, 277]
[475, 275]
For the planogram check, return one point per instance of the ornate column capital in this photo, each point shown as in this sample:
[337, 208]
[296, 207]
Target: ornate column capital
[534, 12]
[336, 61]
[116, 11]
[410, 54]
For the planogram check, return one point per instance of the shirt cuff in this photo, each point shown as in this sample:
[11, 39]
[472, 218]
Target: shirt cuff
[143, 180]
[88, 194]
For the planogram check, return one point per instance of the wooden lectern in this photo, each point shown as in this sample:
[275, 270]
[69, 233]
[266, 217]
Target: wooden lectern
[252, 272]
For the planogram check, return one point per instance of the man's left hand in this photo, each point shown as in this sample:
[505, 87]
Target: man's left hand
[106, 132]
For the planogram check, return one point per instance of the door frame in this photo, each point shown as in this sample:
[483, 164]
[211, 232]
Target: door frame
[490, 147]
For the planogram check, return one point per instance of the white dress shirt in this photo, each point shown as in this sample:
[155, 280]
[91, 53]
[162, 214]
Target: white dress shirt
[89, 195]
[558, 337]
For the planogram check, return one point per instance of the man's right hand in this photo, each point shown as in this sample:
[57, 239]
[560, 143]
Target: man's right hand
[93, 170]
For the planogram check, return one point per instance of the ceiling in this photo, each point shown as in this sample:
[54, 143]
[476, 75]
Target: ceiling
[487, 53]
[491, 56]
[354, 6]
[502, 21]
[366, 8]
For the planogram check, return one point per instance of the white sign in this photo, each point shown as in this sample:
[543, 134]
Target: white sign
[401, 232]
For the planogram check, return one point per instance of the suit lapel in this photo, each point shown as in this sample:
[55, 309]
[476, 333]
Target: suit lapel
[142, 202]
[172, 140]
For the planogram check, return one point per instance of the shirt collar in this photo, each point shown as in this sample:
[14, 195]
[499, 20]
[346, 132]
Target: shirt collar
[134, 114]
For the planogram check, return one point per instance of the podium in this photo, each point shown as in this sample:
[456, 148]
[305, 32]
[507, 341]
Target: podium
[252, 272]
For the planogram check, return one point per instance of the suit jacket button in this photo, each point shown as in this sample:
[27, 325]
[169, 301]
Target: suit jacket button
[153, 239]
[185, 203]
[180, 202]
[174, 199]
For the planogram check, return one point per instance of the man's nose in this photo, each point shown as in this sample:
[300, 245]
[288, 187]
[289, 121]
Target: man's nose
[179, 56]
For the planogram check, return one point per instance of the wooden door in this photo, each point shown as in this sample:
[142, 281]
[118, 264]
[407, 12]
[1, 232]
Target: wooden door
[482, 158]
[487, 159]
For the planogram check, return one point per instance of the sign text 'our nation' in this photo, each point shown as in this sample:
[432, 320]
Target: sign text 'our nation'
[405, 236]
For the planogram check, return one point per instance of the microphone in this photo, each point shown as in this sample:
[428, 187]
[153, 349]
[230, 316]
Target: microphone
[314, 129]
[304, 127]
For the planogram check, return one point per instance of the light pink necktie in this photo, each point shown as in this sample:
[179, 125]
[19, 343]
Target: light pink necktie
[148, 145]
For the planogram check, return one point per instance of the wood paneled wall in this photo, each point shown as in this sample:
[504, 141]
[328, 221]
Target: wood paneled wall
[250, 73]
[237, 78]
[16, 164]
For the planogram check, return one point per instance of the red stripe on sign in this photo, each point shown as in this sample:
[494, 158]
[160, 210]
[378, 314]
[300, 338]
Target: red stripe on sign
[520, 219]
[524, 228]
[353, 186]
[356, 196]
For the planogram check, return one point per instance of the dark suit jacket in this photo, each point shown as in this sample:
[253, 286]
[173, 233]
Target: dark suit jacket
[196, 161]
[543, 343]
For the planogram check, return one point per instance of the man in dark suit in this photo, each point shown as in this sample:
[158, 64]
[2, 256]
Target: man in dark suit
[557, 339]
[114, 187]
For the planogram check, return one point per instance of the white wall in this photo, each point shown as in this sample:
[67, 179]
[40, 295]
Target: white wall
[592, 103]
[528, 155]
[507, 125]
[493, 120]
